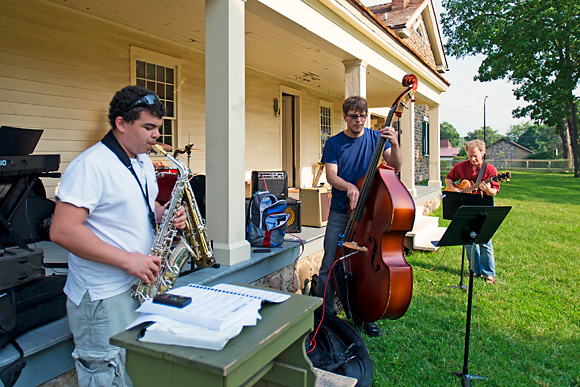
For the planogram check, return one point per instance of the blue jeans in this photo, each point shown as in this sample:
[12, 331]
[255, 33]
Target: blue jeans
[92, 323]
[484, 262]
[334, 227]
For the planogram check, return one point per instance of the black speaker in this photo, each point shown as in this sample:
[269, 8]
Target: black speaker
[275, 182]
[294, 207]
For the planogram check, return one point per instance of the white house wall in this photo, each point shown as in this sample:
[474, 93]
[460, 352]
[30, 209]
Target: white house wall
[59, 74]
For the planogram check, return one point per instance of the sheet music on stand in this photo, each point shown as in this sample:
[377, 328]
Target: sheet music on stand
[216, 315]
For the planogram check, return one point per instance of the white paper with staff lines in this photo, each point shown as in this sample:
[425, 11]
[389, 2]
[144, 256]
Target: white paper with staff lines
[264, 295]
[210, 308]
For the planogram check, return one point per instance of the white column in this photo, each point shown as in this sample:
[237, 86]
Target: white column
[225, 129]
[434, 148]
[407, 125]
[355, 78]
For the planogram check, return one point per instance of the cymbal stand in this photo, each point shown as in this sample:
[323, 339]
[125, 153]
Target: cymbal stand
[186, 149]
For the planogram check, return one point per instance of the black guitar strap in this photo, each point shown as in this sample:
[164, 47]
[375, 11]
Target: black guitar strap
[111, 142]
[481, 172]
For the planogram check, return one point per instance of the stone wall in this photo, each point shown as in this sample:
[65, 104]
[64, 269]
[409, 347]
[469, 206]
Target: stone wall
[294, 278]
[422, 47]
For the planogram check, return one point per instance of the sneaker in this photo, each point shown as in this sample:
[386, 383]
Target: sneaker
[370, 329]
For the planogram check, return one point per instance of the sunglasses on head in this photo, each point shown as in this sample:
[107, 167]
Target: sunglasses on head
[150, 99]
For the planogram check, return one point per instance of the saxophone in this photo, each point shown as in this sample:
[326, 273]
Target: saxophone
[195, 230]
[196, 233]
[172, 257]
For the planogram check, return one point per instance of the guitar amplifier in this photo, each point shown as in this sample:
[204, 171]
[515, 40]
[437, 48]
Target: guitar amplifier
[275, 182]
[316, 206]
[293, 207]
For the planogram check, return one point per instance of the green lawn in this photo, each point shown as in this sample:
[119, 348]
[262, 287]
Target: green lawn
[525, 330]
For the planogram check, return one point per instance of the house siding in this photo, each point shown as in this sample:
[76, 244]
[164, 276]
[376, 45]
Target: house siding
[59, 74]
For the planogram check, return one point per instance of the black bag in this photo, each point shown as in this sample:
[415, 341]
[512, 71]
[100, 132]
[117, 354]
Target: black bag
[20, 266]
[339, 349]
[28, 306]
[9, 374]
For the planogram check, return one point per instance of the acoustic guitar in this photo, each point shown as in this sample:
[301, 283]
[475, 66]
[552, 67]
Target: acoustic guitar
[467, 186]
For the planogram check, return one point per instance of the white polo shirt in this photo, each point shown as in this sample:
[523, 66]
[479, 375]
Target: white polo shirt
[98, 181]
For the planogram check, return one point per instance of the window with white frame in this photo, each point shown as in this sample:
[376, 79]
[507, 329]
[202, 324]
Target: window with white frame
[421, 30]
[157, 73]
[325, 123]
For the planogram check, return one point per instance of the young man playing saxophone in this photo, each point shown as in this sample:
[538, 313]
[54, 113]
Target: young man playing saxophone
[105, 217]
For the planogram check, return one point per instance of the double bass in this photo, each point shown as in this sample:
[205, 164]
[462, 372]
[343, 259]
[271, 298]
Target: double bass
[378, 279]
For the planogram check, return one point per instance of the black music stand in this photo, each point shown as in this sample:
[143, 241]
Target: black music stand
[472, 225]
[452, 201]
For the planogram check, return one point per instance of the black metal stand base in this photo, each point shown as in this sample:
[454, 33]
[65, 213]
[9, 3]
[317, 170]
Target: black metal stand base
[471, 225]
[467, 378]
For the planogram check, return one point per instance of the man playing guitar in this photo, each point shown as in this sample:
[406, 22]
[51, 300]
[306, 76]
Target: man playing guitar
[484, 263]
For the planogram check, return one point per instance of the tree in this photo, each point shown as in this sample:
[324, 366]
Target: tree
[535, 44]
[491, 135]
[517, 130]
[538, 138]
[448, 132]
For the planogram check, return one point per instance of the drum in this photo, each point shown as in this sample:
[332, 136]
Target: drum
[165, 181]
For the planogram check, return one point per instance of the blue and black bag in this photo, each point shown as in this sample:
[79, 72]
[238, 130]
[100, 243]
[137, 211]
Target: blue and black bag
[267, 220]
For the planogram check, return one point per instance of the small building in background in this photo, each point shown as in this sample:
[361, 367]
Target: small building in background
[505, 149]
[446, 151]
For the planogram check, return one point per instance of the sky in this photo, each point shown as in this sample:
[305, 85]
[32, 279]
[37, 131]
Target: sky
[463, 104]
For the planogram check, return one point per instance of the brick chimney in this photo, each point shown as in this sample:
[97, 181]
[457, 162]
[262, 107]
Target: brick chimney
[398, 5]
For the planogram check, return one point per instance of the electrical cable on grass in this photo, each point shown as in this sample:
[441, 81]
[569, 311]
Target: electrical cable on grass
[438, 262]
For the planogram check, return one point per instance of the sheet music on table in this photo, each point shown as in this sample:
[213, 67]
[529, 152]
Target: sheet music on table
[210, 308]
[216, 308]
[215, 315]
[264, 295]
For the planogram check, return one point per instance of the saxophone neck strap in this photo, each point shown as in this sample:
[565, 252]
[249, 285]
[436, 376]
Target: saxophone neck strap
[111, 142]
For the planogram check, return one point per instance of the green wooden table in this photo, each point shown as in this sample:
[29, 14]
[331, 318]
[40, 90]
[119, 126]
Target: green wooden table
[272, 353]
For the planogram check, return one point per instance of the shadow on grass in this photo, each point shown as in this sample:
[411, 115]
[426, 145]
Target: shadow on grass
[427, 345]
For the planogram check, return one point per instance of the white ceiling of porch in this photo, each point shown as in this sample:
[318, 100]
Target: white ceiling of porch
[274, 44]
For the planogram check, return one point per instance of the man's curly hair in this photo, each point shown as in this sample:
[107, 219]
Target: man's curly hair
[355, 103]
[127, 96]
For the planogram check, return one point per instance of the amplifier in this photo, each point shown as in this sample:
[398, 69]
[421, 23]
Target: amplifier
[293, 207]
[316, 205]
[275, 182]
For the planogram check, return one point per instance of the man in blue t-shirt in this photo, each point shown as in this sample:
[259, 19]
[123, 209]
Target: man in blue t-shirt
[346, 157]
